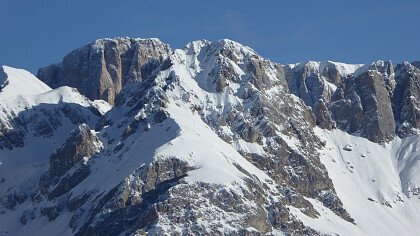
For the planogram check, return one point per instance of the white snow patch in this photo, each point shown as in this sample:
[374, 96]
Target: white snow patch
[369, 180]
[17, 81]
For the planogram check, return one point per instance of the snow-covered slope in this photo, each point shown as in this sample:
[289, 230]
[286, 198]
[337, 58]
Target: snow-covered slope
[373, 184]
[319, 66]
[213, 139]
[17, 81]
[34, 122]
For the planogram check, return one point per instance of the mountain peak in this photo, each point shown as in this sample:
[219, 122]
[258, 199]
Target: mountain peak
[17, 81]
[127, 40]
[210, 139]
[102, 72]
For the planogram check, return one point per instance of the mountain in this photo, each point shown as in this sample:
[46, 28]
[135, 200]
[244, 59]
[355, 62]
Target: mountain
[15, 81]
[100, 69]
[210, 139]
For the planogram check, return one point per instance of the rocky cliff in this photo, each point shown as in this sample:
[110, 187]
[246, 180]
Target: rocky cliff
[101, 68]
[211, 139]
[360, 99]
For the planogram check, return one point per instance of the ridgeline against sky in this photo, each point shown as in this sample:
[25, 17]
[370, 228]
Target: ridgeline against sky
[37, 33]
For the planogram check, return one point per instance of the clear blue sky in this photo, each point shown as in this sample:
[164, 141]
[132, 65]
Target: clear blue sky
[35, 33]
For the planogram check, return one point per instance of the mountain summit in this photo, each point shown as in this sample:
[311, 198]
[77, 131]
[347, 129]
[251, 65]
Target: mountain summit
[211, 139]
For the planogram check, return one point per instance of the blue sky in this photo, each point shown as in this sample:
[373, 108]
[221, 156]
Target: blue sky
[36, 33]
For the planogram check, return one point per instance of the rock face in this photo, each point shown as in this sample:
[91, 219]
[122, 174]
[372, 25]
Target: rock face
[81, 144]
[360, 99]
[405, 99]
[307, 82]
[25, 116]
[363, 106]
[67, 165]
[211, 139]
[101, 68]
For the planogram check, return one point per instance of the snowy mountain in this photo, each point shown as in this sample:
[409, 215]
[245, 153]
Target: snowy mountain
[16, 81]
[211, 139]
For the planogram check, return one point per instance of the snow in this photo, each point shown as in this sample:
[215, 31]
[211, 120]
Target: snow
[328, 222]
[247, 147]
[22, 93]
[407, 153]
[361, 170]
[21, 102]
[128, 160]
[373, 66]
[203, 149]
[17, 81]
[346, 69]
[293, 65]
[102, 106]
[319, 66]
[378, 184]
[21, 163]
[194, 142]
[213, 158]
[370, 182]
[331, 86]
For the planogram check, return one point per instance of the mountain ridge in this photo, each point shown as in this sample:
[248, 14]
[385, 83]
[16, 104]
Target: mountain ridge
[213, 139]
[324, 77]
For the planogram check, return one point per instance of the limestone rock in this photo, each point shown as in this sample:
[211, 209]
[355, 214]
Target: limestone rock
[141, 172]
[81, 144]
[406, 99]
[100, 69]
[362, 105]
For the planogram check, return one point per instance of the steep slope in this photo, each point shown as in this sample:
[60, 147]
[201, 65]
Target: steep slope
[362, 106]
[189, 158]
[378, 184]
[212, 139]
[405, 100]
[33, 124]
[192, 157]
[16, 81]
[100, 69]
[372, 100]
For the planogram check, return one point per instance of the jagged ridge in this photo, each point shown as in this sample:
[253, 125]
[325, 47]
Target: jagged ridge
[211, 139]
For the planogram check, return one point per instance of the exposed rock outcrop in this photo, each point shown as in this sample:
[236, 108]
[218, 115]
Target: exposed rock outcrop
[353, 98]
[81, 144]
[314, 84]
[405, 101]
[101, 68]
[211, 139]
[362, 105]
[68, 164]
